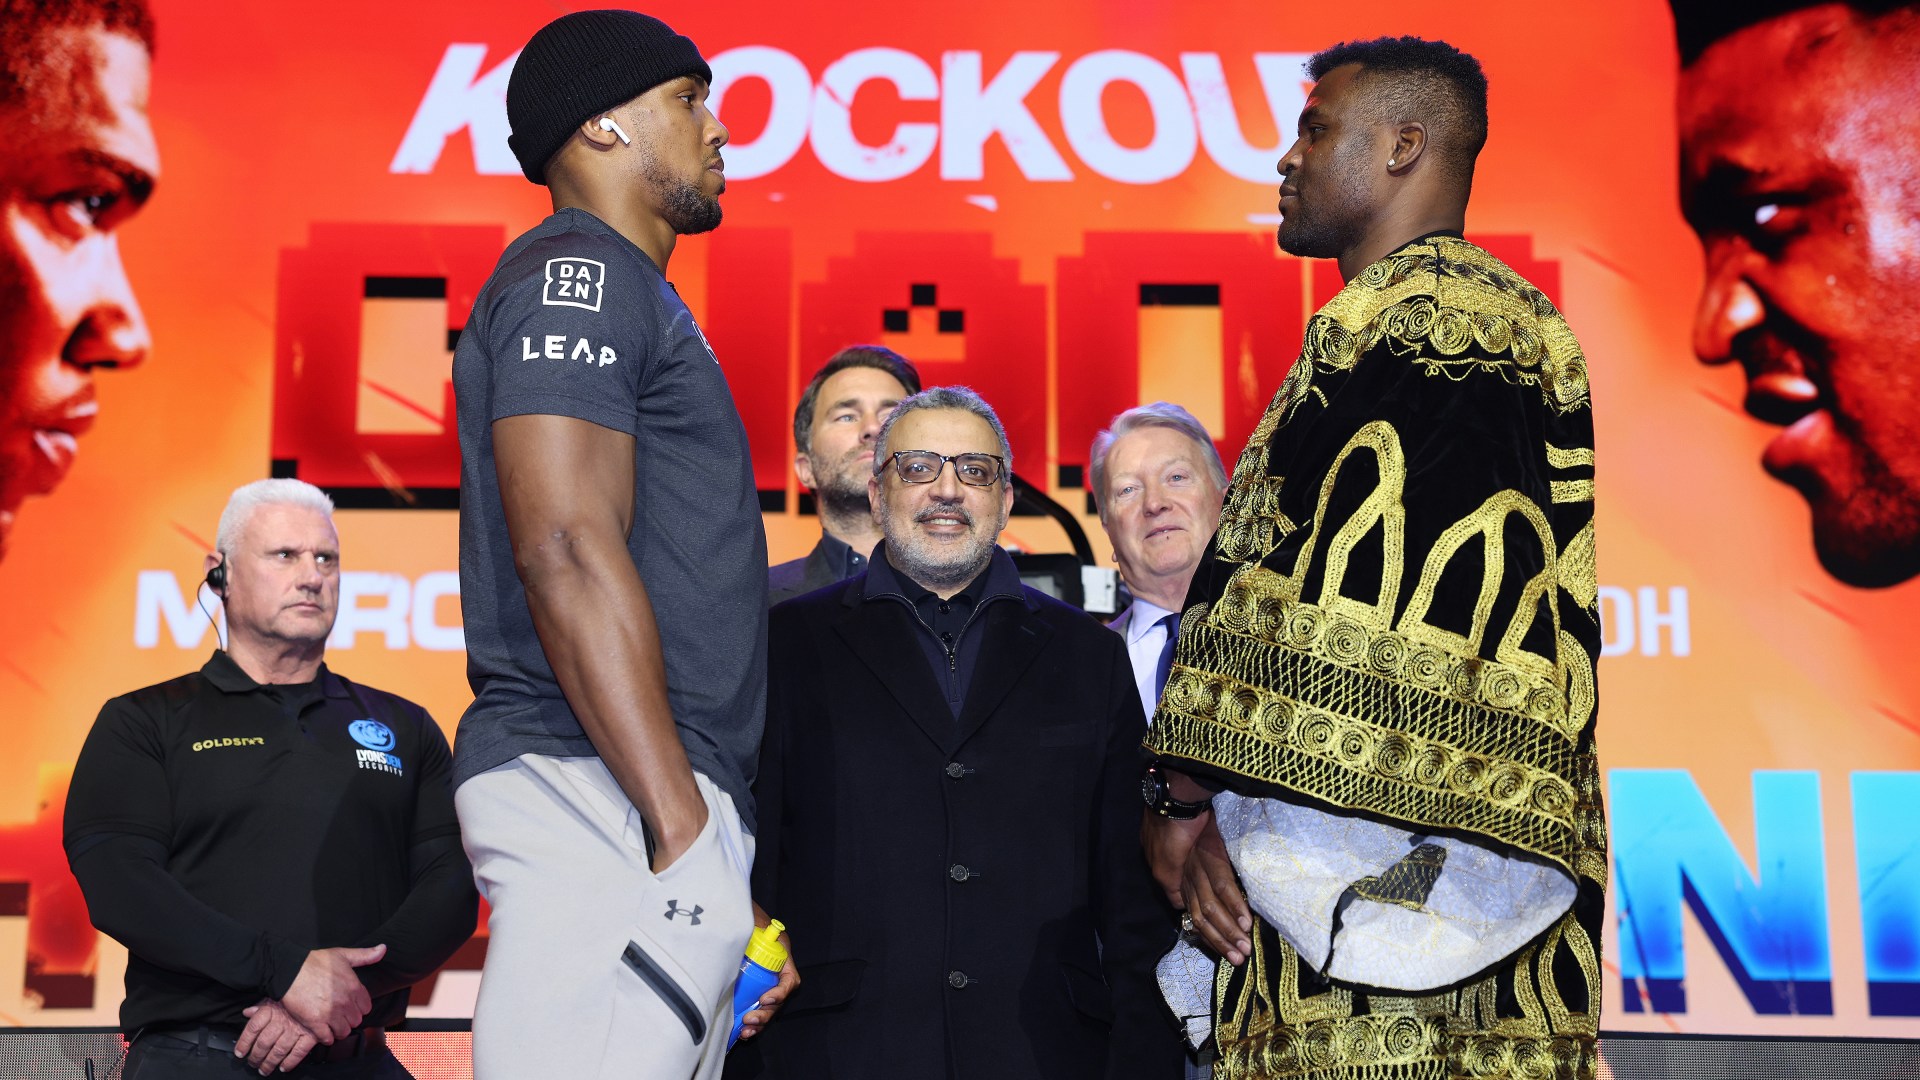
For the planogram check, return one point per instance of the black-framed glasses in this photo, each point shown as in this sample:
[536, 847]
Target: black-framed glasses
[925, 466]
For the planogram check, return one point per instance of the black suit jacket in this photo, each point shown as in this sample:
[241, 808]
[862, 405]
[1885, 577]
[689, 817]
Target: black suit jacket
[967, 899]
[824, 565]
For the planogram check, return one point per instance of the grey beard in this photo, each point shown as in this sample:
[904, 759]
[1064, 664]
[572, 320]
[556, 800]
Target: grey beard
[929, 574]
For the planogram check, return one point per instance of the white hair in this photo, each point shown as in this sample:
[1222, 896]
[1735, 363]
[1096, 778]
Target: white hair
[1162, 414]
[250, 497]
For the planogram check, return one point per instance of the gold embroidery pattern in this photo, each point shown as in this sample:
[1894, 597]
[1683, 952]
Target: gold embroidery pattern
[1579, 569]
[1569, 459]
[1570, 491]
[1356, 698]
[1376, 696]
[1442, 764]
[1590, 822]
[1340, 703]
[1269, 1031]
[1253, 526]
[1257, 605]
[1448, 297]
[1406, 883]
[1446, 293]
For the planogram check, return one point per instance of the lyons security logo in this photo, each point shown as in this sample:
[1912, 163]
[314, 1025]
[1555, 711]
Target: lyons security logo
[575, 282]
[378, 739]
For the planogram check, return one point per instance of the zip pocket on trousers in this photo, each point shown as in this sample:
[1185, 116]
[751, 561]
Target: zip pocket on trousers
[677, 999]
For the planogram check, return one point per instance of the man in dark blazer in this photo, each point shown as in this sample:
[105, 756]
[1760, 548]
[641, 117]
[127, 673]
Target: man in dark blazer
[949, 801]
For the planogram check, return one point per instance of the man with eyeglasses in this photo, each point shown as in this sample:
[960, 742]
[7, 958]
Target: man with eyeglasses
[948, 789]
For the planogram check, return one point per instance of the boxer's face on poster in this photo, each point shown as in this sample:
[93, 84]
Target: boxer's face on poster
[79, 160]
[1803, 188]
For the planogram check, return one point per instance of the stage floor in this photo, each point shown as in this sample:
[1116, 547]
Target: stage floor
[438, 1050]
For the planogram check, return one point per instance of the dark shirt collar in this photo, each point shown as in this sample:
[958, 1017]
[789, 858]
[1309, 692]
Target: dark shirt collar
[229, 677]
[1000, 580]
[840, 555]
[931, 604]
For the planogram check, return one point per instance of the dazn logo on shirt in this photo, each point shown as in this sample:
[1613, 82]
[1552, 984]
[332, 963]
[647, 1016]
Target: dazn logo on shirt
[575, 282]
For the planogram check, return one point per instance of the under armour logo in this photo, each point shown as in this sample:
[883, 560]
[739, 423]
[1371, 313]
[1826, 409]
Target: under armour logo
[674, 908]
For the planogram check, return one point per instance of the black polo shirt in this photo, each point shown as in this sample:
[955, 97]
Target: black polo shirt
[221, 829]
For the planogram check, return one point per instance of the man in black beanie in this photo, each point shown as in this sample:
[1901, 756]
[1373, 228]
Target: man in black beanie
[613, 576]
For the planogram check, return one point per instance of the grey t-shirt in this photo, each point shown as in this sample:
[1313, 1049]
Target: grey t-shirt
[577, 321]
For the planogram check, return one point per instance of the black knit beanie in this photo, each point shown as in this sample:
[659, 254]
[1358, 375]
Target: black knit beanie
[586, 63]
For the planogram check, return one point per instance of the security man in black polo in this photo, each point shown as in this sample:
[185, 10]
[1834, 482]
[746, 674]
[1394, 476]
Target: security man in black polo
[275, 845]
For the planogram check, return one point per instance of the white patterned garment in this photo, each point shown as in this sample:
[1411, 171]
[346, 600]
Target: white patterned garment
[1186, 981]
[1295, 862]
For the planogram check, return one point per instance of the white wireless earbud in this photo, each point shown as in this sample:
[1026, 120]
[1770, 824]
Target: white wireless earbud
[607, 124]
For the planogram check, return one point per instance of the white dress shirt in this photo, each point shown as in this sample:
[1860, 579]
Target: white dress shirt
[1145, 639]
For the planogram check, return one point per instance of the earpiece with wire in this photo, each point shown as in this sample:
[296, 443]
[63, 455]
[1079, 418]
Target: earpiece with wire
[217, 581]
[607, 123]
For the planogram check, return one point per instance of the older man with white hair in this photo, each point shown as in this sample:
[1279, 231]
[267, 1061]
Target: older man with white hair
[1158, 482]
[274, 844]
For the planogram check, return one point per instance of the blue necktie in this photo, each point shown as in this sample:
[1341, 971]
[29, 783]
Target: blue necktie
[1165, 665]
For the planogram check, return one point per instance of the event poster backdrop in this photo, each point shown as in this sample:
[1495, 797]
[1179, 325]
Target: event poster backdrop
[1067, 205]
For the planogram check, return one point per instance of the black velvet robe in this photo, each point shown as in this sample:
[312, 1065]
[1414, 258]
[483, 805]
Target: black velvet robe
[1398, 618]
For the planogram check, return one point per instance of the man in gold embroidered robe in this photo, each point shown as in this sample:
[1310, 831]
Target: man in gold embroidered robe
[1384, 680]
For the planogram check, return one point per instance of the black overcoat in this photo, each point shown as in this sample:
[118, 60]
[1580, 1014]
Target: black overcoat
[967, 898]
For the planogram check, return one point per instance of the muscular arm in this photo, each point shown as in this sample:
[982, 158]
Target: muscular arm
[435, 919]
[118, 825]
[567, 488]
[437, 914]
[134, 900]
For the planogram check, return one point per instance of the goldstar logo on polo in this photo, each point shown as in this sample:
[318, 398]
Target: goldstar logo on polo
[214, 744]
